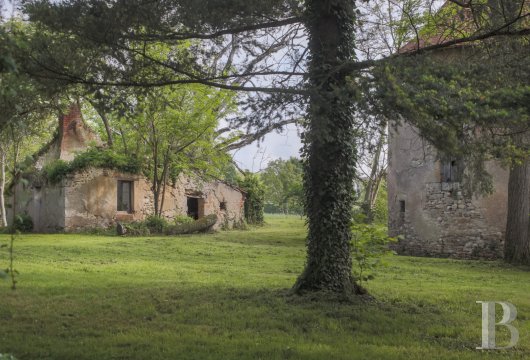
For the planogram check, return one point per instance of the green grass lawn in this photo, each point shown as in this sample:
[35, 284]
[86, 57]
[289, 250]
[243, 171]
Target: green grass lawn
[225, 296]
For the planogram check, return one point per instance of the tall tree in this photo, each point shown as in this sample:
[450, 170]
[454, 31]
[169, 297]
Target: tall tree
[173, 131]
[330, 152]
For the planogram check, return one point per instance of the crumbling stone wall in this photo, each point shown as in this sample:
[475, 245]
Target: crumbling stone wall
[436, 218]
[462, 229]
[91, 199]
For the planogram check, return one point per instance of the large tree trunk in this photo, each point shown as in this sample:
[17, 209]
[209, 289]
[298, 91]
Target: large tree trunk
[2, 188]
[517, 242]
[330, 152]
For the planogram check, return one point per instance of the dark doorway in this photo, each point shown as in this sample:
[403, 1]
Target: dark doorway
[193, 208]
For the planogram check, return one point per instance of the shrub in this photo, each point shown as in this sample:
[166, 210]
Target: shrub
[57, 170]
[156, 224]
[23, 223]
[137, 229]
[183, 219]
[369, 245]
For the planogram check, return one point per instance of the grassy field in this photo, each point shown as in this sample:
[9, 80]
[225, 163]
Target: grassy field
[225, 296]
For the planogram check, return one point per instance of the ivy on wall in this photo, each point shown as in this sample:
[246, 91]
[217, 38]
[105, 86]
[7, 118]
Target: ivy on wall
[97, 158]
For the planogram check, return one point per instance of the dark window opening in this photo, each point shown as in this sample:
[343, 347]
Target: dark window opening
[401, 206]
[222, 205]
[125, 196]
[193, 208]
[450, 171]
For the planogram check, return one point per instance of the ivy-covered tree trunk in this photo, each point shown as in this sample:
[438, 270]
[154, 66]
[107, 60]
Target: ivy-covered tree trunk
[517, 242]
[329, 151]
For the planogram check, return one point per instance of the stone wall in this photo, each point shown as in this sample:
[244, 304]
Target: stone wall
[91, 200]
[461, 227]
[435, 218]
[44, 204]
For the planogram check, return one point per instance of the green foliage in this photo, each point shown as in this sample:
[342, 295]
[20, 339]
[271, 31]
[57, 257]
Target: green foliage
[254, 198]
[230, 174]
[23, 223]
[448, 101]
[156, 224]
[137, 229]
[369, 246]
[97, 158]
[183, 219]
[57, 171]
[380, 210]
[173, 131]
[283, 181]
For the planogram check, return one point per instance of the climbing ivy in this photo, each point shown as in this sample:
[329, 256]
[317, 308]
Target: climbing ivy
[97, 158]
[254, 199]
[329, 152]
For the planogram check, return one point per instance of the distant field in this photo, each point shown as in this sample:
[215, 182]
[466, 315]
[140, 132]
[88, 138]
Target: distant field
[225, 296]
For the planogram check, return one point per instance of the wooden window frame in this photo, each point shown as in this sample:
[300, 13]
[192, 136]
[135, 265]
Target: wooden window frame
[120, 196]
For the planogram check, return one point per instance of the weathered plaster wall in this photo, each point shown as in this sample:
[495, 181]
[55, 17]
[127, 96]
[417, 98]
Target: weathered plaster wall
[438, 219]
[91, 199]
[45, 205]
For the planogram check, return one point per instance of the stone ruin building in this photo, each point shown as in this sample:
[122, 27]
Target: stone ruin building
[98, 197]
[430, 210]
[427, 205]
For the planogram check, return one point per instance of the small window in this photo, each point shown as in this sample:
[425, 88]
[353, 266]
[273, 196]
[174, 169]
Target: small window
[450, 171]
[125, 196]
[402, 206]
[222, 205]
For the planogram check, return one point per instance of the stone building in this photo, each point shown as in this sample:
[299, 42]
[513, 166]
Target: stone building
[430, 210]
[98, 197]
[427, 205]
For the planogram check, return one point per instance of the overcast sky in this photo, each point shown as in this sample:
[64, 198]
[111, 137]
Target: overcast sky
[274, 146]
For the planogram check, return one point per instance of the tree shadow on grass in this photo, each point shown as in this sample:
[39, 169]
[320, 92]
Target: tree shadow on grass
[209, 322]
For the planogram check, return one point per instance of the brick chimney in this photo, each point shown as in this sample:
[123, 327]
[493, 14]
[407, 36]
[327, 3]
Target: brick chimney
[75, 135]
[65, 121]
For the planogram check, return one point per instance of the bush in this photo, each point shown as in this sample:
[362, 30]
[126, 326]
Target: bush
[137, 229]
[369, 245]
[56, 171]
[156, 224]
[183, 219]
[23, 223]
